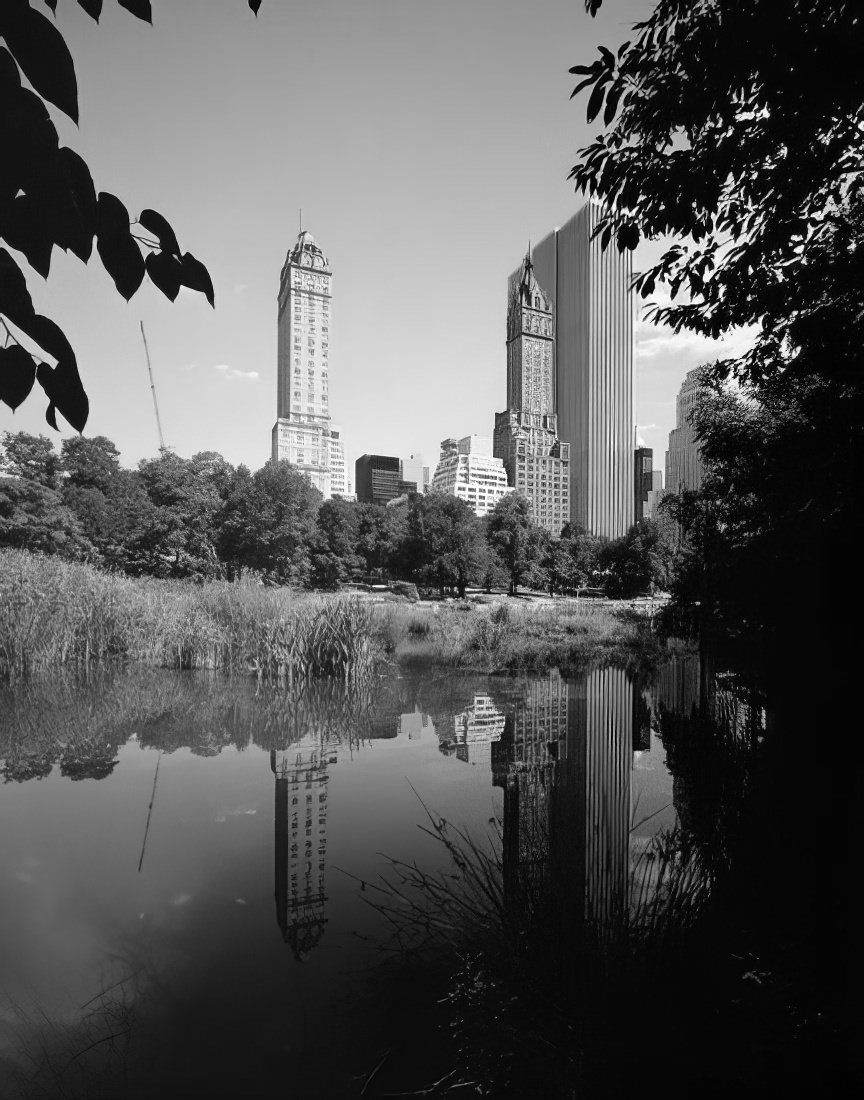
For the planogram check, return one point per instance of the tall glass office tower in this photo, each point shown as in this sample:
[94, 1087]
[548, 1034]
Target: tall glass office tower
[594, 312]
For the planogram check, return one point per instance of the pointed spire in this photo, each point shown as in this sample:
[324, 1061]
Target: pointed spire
[527, 268]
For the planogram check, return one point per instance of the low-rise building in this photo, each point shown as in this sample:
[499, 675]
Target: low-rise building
[377, 478]
[466, 469]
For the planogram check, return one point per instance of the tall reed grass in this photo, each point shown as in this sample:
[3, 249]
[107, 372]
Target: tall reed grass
[58, 614]
[502, 636]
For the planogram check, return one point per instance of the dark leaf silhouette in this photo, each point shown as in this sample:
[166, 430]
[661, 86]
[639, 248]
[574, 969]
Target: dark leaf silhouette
[92, 7]
[595, 102]
[24, 226]
[166, 272]
[583, 84]
[61, 384]
[77, 206]
[52, 4]
[42, 54]
[154, 223]
[116, 246]
[255, 5]
[15, 301]
[49, 336]
[197, 277]
[17, 374]
[65, 393]
[140, 8]
[611, 103]
[28, 137]
[627, 237]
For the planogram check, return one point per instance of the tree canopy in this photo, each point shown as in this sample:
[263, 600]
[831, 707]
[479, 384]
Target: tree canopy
[736, 128]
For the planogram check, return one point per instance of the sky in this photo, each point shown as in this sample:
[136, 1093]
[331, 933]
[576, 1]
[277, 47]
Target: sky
[426, 143]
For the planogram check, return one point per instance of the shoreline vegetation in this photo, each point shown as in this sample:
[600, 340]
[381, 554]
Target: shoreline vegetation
[56, 614]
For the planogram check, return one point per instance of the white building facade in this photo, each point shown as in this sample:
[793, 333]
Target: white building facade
[466, 469]
[414, 470]
[338, 477]
[302, 433]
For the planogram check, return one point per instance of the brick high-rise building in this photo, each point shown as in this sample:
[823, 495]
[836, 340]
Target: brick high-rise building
[684, 467]
[302, 432]
[526, 433]
[594, 314]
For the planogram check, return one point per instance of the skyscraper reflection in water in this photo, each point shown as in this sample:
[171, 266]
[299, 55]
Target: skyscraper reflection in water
[564, 762]
[301, 840]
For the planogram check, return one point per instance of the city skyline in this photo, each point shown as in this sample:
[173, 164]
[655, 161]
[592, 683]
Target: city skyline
[371, 154]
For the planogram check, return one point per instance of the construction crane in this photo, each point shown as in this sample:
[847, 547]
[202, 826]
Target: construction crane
[152, 388]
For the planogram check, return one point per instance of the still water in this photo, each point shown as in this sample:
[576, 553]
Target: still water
[188, 863]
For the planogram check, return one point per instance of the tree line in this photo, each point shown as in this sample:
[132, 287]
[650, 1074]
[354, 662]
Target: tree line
[203, 518]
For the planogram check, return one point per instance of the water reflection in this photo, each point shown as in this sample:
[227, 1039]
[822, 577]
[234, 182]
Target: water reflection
[710, 722]
[301, 841]
[564, 763]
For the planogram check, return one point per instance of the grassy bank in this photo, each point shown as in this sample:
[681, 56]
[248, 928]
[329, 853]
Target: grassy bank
[56, 614]
[506, 636]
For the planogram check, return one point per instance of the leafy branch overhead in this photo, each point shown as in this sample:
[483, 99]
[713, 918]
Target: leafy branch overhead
[48, 199]
[735, 128]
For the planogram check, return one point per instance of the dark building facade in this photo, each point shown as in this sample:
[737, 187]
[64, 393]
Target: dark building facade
[378, 478]
[643, 480]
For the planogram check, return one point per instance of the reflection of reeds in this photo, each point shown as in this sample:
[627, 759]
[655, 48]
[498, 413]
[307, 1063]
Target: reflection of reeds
[84, 1058]
[534, 981]
[431, 910]
[54, 614]
[45, 721]
[670, 886]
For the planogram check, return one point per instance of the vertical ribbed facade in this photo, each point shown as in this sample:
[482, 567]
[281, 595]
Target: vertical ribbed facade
[594, 318]
[565, 763]
[608, 765]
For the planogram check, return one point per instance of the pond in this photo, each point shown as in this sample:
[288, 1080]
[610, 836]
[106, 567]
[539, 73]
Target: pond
[191, 864]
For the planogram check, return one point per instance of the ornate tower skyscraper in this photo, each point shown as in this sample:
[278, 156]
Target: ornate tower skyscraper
[526, 433]
[302, 432]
